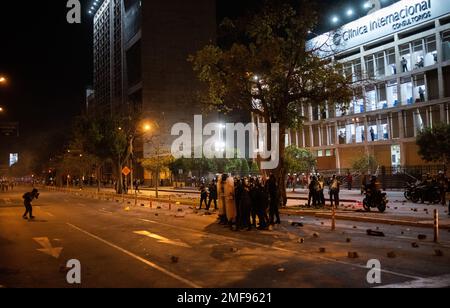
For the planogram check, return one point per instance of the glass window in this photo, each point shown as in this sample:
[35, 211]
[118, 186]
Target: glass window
[381, 94]
[357, 70]
[380, 64]
[446, 45]
[391, 62]
[370, 66]
[407, 91]
[360, 134]
[405, 58]
[350, 133]
[392, 94]
[419, 89]
[320, 153]
[431, 51]
[418, 54]
[328, 153]
[371, 97]
[342, 135]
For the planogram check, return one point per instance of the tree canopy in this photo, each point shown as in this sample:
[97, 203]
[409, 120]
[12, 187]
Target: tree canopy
[434, 143]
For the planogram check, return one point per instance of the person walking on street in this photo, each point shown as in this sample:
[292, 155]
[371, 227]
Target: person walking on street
[212, 195]
[203, 196]
[274, 200]
[27, 199]
[312, 192]
[334, 191]
[349, 181]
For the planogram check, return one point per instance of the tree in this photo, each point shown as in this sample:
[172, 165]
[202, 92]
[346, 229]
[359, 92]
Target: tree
[299, 160]
[365, 164]
[434, 144]
[267, 69]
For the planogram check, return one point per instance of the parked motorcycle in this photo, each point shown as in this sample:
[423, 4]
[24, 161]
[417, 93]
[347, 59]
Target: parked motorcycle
[429, 194]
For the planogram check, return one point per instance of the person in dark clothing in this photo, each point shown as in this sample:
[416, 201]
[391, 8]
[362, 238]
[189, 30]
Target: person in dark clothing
[203, 196]
[238, 192]
[27, 199]
[260, 204]
[272, 188]
[254, 200]
[334, 191]
[312, 192]
[212, 195]
[245, 206]
[349, 181]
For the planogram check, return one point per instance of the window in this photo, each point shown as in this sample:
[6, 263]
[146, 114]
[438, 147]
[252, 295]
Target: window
[392, 94]
[418, 54]
[357, 70]
[419, 89]
[370, 66]
[446, 45]
[320, 153]
[380, 64]
[407, 91]
[371, 97]
[431, 56]
[391, 62]
[405, 58]
[328, 153]
[381, 93]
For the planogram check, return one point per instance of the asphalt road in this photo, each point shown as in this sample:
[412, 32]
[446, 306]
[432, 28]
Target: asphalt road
[153, 248]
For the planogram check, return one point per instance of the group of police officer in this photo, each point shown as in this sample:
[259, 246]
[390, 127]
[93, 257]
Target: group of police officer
[244, 203]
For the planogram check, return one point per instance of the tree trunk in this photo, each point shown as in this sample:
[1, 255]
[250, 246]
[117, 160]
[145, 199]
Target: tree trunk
[120, 186]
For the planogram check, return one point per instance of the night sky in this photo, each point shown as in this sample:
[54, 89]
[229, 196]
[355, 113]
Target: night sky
[49, 62]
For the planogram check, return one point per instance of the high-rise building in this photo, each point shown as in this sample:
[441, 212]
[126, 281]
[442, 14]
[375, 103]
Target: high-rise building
[141, 50]
[402, 52]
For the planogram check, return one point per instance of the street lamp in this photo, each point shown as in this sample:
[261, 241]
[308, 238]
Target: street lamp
[3, 79]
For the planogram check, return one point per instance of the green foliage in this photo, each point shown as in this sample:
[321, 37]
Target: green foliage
[434, 143]
[266, 61]
[365, 164]
[299, 160]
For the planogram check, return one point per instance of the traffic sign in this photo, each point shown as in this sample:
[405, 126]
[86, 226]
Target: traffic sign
[126, 171]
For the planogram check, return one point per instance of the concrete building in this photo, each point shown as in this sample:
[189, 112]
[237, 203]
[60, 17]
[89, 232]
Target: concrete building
[140, 59]
[403, 52]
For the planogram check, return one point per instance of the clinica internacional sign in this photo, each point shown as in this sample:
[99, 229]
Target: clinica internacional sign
[397, 17]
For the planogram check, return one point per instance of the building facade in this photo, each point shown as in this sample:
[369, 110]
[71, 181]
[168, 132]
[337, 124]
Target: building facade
[141, 51]
[401, 57]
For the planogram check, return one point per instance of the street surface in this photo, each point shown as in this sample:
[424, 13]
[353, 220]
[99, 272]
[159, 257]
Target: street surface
[122, 245]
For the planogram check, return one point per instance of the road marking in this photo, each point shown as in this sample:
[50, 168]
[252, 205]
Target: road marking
[303, 252]
[105, 211]
[145, 261]
[423, 283]
[81, 204]
[55, 252]
[161, 239]
[7, 200]
[50, 214]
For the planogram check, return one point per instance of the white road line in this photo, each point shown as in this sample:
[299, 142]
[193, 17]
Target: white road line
[281, 249]
[424, 283]
[81, 204]
[105, 211]
[7, 200]
[151, 264]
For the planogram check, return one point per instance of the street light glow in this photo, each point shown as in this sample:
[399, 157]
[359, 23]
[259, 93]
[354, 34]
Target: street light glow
[334, 19]
[147, 127]
[2, 79]
[350, 12]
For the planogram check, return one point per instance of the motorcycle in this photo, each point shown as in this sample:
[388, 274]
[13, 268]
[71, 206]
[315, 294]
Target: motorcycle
[409, 190]
[375, 199]
[430, 194]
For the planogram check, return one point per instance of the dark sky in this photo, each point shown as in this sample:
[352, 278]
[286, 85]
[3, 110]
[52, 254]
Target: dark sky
[49, 62]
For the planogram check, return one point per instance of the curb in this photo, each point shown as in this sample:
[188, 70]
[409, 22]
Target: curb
[367, 219]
